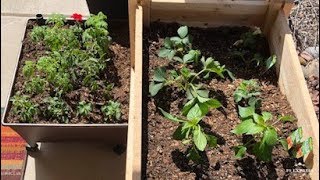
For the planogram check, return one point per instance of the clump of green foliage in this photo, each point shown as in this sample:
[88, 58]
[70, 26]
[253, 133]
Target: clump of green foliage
[111, 110]
[57, 109]
[28, 69]
[191, 133]
[264, 135]
[35, 86]
[248, 93]
[84, 108]
[24, 107]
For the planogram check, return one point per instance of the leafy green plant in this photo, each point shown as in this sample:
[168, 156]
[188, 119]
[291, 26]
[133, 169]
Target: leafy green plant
[57, 20]
[111, 110]
[263, 132]
[84, 108]
[28, 69]
[57, 109]
[37, 34]
[296, 147]
[97, 21]
[35, 86]
[62, 82]
[24, 107]
[191, 133]
[248, 92]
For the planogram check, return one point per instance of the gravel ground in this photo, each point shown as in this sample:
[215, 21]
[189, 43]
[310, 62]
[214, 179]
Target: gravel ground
[304, 23]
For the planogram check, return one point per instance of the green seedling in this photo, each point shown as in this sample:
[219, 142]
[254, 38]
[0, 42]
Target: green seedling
[191, 133]
[57, 20]
[24, 107]
[28, 69]
[97, 21]
[35, 86]
[263, 132]
[111, 110]
[296, 147]
[57, 109]
[248, 92]
[37, 34]
[84, 108]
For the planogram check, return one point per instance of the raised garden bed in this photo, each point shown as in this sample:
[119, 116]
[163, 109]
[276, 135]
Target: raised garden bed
[72, 81]
[157, 154]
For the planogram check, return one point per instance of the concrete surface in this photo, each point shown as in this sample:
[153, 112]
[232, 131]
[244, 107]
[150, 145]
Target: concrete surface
[75, 161]
[28, 8]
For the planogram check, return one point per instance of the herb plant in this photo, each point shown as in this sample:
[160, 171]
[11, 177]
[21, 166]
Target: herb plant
[35, 86]
[28, 69]
[57, 109]
[247, 93]
[24, 107]
[84, 108]
[111, 110]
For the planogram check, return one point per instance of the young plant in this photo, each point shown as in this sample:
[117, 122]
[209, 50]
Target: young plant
[24, 107]
[37, 34]
[264, 134]
[191, 133]
[57, 109]
[179, 48]
[111, 110]
[35, 86]
[248, 92]
[28, 69]
[296, 147]
[57, 20]
[84, 108]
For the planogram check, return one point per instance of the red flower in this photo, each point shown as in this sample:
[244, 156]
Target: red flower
[77, 17]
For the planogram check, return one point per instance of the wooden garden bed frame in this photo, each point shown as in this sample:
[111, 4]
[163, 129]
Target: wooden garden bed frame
[270, 15]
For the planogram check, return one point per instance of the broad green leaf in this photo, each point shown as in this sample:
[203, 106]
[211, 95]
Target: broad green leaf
[183, 31]
[263, 151]
[238, 95]
[195, 112]
[180, 133]
[167, 43]
[258, 119]
[271, 61]
[199, 139]
[176, 40]
[307, 146]
[164, 52]
[212, 140]
[213, 103]
[186, 40]
[203, 93]
[204, 108]
[240, 151]
[159, 74]
[243, 127]
[256, 128]
[270, 137]
[188, 106]
[171, 54]
[202, 99]
[188, 58]
[284, 144]
[230, 74]
[154, 88]
[171, 117]
[287, 118]
[254, 102]
[245, 112]
[266, 116]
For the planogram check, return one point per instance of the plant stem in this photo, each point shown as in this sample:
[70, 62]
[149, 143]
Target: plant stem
[197, 75]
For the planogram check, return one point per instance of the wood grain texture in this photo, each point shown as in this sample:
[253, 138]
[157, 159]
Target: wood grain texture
[293, 85]
[134, 144]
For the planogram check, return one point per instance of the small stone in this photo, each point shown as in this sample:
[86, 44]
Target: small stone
[311, 69]
[313, 51]
[305, 55]
[302, 61]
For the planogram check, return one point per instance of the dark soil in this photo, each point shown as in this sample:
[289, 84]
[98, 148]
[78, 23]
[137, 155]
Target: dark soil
[164, 157]
[117, 72]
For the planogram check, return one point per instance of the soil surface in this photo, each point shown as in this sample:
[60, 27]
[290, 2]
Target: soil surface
[164, 157]
[117, 71]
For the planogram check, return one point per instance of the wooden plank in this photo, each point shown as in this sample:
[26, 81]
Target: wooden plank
[132, 4]
[293, 84]
[146, 12]
[134, 144]
[271, 15]
[209, 13]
